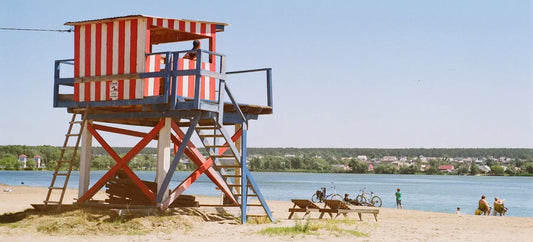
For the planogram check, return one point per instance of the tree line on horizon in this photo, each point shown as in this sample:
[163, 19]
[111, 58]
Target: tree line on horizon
[286, 159]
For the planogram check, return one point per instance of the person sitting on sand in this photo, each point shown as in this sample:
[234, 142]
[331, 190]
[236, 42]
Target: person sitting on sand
[458, 211]
[498, 207]
[191, 55]
[484, 206]
[351, 201]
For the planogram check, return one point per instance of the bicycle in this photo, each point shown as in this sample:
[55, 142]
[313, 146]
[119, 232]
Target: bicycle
[321, 195]
[367, 199]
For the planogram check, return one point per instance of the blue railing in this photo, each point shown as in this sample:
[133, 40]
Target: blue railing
[169, 73]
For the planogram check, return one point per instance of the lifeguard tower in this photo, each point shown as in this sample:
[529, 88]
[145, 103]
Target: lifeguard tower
[118, 80]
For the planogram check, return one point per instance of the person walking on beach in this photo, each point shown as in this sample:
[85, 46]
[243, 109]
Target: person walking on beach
[398, 198]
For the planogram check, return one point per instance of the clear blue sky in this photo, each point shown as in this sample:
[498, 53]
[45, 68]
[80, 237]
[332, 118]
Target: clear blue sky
[385, 74]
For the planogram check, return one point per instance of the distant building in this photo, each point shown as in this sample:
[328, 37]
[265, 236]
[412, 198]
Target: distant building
[23, 159]
[287, 155]
[484, 169]
[446, 168]
[389, 158]
[37, 160]
[362, 157]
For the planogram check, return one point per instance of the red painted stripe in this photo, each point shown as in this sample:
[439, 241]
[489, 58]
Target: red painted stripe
[157, 80]
[87, 87]
[76, 92]
[180, 78]
[203, 27]
[109, 51]
[121, 41]
[181, 26]
[192, 65]
[193, 27]
[212, 85]
[160, 22]
[87, 50]
[133, 85]
[146, 80]
[133, 47]
[171, 24]
[97, 91]
[121, 90]
[77, 51]
[107, 86]
[98, 56]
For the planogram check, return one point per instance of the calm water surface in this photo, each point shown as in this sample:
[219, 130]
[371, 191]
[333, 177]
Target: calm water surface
[420, 192]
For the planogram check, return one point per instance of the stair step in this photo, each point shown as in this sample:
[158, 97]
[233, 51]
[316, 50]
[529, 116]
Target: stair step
[210, 135]
[233, 185]
[72, 135]
[61, 174]
[249, 195]
[254, 205]
[55, 188]
[228, 166]
[206, 127]
[68, 148]
[230, 175]
[222, 156]
[215, 146]
[52, 202]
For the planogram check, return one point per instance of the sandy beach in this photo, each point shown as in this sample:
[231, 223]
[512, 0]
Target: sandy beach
[392, 225]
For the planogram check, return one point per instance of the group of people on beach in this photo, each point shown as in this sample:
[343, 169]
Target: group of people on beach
[484, 208]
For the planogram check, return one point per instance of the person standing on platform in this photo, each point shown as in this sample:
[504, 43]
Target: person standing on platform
[398, 199]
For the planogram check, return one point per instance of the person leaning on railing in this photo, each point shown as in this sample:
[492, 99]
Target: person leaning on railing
[191, 55]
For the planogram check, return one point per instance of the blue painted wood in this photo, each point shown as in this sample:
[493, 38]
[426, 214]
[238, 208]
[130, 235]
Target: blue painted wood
[174, 164]
[270, 101]
[244, 184]
[259, 195]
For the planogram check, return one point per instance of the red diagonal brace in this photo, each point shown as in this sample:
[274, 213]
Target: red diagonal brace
[203, 166]
[122, 163]
[185, 184]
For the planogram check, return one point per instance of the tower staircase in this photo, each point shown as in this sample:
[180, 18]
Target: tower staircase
[230, 163]
[58, 186]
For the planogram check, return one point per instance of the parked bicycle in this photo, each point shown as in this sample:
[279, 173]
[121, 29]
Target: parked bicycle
[321, 195]
[368, 199]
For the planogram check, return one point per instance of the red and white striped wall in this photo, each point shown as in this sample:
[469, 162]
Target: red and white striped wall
[119, 46]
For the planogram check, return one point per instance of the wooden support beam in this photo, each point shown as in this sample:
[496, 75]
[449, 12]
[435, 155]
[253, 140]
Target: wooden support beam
[195, 155]
[174, 163]
[121, 163]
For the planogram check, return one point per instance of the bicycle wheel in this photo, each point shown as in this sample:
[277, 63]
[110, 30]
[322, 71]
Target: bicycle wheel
[361, 200]
[336, 197]
[376, 201]
[315, 198]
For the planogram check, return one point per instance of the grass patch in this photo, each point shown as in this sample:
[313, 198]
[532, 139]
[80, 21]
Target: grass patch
[338, 227]
[95, 222]
[298, 228]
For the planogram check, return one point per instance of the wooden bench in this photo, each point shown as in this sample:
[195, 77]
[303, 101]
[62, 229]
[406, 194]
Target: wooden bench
[303, 205]
[339, 207]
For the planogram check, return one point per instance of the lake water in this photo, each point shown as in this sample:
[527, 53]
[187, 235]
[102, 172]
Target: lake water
[420, 192]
